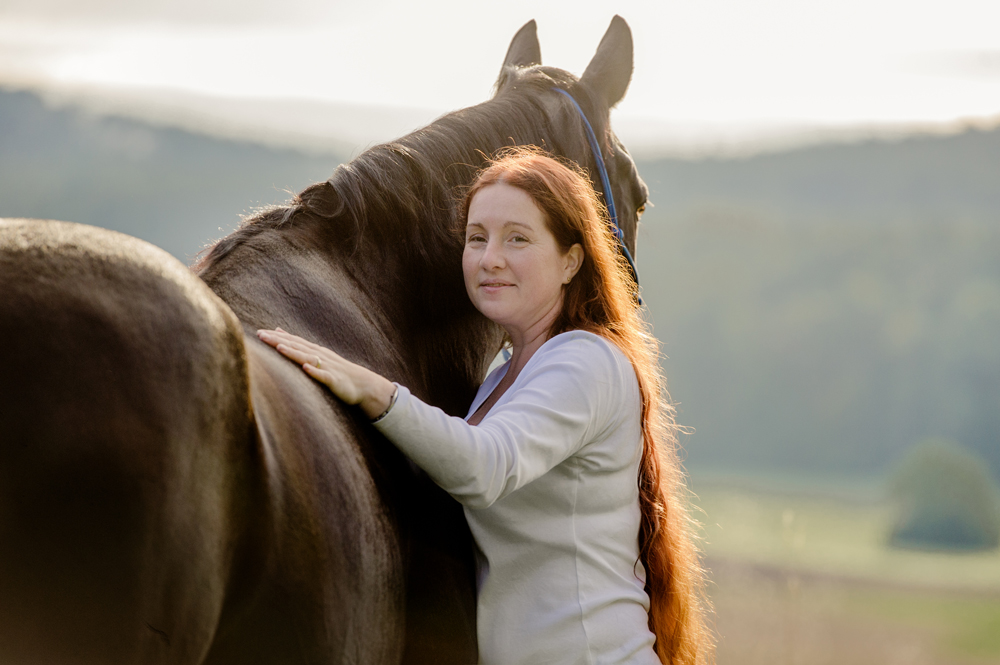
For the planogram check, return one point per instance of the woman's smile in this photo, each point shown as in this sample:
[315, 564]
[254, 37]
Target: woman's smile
[494, 286]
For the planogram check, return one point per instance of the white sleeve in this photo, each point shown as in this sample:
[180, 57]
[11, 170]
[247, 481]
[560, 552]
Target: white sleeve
[560, 403]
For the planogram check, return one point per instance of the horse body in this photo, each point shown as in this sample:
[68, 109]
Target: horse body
[182, 494]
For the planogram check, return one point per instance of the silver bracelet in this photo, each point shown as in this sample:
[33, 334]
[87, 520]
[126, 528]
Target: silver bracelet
[392, 402]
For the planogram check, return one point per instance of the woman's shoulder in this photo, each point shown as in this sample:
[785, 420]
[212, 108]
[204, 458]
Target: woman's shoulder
[581, 342]
[592, 354]
[593, 371]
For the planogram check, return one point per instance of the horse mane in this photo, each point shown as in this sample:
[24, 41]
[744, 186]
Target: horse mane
[415, 180]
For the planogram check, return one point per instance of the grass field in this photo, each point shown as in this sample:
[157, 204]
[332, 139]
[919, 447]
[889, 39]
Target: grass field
[805, 577]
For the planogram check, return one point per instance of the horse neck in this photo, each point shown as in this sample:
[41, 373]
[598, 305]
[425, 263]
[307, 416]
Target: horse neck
[419, 298]
[411, 277]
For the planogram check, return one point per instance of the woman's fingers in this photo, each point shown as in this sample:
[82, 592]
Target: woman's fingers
[307, 356]
[330, 372]
[274, 338]
[300, 351]
[298, 355]
[280, 335]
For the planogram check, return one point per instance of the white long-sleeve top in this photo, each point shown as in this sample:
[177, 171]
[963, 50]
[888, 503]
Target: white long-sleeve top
[549, 483]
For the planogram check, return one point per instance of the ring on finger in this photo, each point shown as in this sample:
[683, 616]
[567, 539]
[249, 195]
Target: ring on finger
[317, 362]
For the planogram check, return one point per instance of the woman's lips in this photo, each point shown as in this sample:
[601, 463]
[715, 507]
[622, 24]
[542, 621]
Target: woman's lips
[494, 287]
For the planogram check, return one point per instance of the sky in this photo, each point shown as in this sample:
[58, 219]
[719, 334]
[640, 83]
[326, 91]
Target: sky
[712, 73]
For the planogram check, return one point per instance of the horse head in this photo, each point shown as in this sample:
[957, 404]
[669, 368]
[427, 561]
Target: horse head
[602, 85]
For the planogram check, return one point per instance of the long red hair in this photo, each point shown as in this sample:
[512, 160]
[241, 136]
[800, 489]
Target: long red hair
[600, 299]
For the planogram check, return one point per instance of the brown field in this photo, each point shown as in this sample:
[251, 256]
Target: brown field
[782, 617]
[798, 580]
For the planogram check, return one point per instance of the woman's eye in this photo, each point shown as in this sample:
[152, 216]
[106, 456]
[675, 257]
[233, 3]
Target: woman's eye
[519, 239]
[475, 238]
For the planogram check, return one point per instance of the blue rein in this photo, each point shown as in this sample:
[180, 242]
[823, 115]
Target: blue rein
[609, 198]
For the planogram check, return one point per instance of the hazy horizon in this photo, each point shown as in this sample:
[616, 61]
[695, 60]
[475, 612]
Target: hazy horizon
[346, 129]
[714, 78]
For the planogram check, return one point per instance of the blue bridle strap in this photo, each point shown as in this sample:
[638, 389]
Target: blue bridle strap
[609, 198]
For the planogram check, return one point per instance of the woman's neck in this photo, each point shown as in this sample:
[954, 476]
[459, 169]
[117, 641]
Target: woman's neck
[524, 343]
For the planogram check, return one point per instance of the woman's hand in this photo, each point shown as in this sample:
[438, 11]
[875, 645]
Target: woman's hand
[351, 383]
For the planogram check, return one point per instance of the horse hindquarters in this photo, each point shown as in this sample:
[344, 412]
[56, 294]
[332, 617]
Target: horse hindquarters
[124, 444]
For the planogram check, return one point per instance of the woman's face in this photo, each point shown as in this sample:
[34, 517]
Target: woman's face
[514, 269]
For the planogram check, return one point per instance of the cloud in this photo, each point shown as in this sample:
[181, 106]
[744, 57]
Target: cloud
[179, 11]
[972, 63]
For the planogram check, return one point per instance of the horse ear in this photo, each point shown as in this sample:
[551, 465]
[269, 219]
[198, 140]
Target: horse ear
[610, 71]
[524, 50]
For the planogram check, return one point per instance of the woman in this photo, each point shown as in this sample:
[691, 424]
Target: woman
[566, 463]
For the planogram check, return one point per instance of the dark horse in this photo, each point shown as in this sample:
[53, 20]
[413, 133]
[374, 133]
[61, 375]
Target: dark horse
[173, 491]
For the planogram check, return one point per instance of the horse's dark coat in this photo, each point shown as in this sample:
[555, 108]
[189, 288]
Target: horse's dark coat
[173, 491]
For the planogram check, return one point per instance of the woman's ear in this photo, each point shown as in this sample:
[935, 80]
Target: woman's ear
[573, 260]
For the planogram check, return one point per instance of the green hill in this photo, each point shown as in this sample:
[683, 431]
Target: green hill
[175, 189]
[937, 179]
[826, 308]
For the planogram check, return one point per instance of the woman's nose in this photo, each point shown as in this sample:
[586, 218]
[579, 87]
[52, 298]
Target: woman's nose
[492, 258]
